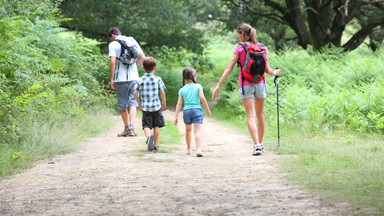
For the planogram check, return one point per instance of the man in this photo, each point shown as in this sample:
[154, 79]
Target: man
[123, 79]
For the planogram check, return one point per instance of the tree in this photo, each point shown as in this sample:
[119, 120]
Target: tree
[318, 23]
[170, 23]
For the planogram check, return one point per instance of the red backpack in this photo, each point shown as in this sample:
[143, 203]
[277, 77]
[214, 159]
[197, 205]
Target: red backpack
[255, 62]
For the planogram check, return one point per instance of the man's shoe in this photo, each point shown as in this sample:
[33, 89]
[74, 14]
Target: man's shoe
[125, 133]
[150, 143]
[131, 132]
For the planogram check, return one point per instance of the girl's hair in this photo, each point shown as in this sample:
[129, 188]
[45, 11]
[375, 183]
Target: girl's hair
[248, 30]
[189, 74]
[149, 63]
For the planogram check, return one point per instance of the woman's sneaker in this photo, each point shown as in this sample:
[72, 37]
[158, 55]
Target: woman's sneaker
[257, 149]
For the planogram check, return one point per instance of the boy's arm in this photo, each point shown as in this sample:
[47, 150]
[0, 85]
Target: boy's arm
[204, 101]
[163, 100]
[178, 107]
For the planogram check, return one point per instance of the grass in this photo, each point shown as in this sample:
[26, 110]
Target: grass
[47, 140]
[341, 166]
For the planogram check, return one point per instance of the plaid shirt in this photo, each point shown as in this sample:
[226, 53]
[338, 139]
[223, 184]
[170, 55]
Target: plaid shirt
[148, 87]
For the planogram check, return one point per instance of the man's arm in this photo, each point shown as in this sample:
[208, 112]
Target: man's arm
[112, 66]
[140, 59]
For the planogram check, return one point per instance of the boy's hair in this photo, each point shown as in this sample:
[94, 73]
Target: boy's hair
[189, 74]
[149, 63]
[114, 30]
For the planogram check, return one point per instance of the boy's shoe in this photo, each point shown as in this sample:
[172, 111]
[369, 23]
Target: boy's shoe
[199, 153]
[150, 143]
[131, 132]
[257, 150]
[188, 151]
[125, 133]
[155, 148]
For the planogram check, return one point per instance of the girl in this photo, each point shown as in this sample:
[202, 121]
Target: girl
[254, 92]
[190, 96]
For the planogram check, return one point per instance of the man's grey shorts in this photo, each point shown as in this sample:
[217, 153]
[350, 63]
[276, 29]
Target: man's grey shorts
[254, 91]
[124, 93]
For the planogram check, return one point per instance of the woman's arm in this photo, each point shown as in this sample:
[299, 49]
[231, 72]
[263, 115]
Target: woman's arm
[226, 73]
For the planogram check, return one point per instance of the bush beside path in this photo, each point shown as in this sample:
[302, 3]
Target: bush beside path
[108, 175]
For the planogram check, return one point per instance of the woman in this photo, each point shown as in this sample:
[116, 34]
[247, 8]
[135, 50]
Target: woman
[254, 92]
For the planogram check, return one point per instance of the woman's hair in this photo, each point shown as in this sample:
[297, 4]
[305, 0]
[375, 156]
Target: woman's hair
[149, 63]
[114, 30]
[189, 74]
[248, 30]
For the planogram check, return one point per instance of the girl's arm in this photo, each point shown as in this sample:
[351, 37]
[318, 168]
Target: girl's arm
[178, 107]
[226, 73]
[204, 101]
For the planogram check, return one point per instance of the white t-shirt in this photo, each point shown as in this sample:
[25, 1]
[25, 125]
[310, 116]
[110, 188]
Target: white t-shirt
[124, 73]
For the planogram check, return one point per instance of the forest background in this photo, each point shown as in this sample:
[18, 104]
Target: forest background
[54, 78]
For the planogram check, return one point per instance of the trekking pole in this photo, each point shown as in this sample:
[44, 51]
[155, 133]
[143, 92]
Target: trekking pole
[276, 81]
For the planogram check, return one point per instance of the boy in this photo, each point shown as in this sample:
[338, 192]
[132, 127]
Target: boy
[147, 91]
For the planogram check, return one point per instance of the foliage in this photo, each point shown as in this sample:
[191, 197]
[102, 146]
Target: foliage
[323, 91]
[47, 74]
[163, 28]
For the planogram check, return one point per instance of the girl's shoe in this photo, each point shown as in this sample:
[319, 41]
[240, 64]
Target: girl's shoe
[199, 153]
[188, 151]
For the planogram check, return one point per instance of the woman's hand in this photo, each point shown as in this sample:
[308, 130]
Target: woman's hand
[215, 92]
[276, 72]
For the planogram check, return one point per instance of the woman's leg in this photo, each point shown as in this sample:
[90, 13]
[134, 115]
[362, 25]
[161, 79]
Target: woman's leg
[188, 135]
[249, 105]
[260, 118]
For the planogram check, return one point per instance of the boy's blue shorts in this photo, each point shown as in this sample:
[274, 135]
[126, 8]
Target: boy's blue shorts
[194, 115]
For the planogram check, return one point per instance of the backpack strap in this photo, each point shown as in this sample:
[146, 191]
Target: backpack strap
[239, 64]
[123, 48]
[245, 50]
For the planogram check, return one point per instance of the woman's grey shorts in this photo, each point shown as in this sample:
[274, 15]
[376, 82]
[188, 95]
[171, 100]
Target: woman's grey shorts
[254, 91]
[124, 93]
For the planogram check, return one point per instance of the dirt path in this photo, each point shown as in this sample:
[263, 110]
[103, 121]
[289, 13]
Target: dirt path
[105, 176]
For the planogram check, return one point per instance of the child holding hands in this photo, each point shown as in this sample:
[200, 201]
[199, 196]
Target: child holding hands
[190, 96]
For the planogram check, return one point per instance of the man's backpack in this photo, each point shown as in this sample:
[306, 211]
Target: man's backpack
[255, 62]
[129, 52]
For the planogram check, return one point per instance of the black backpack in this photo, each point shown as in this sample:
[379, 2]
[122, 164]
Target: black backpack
[128, 54]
